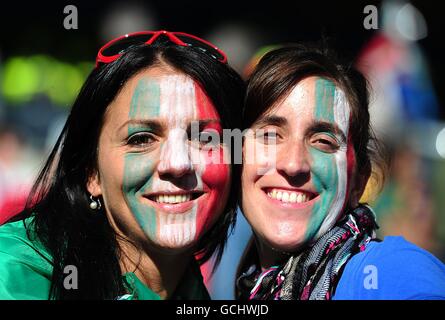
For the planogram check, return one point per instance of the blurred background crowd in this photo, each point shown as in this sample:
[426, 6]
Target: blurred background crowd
[43, 65]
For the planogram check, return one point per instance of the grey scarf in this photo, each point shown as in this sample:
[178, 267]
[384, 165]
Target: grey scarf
[313, 273]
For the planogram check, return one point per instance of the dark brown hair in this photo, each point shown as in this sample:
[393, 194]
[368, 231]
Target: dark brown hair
[281, 69]
[59, 202]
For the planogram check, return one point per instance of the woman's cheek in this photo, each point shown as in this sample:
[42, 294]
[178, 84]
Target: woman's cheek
[324, 175]
[138, 178]
[216, 176]
[216, 173]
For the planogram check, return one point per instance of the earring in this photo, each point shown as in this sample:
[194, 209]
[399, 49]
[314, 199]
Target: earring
[95, 204]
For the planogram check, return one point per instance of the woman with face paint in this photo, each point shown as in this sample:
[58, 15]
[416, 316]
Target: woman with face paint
[136, 191]
[306, 162]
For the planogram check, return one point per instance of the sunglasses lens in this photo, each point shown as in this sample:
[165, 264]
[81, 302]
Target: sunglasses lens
[204, 47]
[123, 44]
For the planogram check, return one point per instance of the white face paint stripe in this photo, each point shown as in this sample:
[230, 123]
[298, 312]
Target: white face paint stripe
[341, 117]
[341, 111]
[177, 92]
[177, 229]
[178, 102]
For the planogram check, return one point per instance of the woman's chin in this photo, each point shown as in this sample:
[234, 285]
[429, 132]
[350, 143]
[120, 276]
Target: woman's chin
[174, 246]
[286, 244]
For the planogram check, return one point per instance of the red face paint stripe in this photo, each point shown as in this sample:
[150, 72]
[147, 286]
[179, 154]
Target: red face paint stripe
[216, 126]
[204, 106]
[211, 171]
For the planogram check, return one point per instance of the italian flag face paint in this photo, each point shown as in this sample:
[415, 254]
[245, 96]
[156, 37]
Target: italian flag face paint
[330, 171]
[295, 199]
[174, 165]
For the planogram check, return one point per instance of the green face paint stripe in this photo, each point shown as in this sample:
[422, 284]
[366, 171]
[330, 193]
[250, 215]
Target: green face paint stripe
[135, 169]
[145, 104]
[323, 163]
[146, 99]
[324, 100]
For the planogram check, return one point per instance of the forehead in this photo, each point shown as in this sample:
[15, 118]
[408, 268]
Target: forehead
[163, 94]
[314, 98]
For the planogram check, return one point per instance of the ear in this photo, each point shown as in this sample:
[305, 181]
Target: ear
[93, 184]
[359, 185]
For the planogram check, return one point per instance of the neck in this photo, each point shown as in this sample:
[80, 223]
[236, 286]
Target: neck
[158, 271]
[269, 256]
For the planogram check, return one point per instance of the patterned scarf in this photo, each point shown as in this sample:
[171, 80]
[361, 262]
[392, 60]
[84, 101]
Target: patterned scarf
[312, 274]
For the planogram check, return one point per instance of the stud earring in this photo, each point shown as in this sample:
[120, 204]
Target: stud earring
[95, 204]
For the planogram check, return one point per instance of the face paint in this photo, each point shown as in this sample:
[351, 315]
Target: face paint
[212, 172]
[330, 169]
[301, 197]
[139, 168]
[159, 184]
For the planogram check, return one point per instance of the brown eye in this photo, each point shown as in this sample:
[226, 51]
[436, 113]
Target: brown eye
[141, 139]
[325, 143]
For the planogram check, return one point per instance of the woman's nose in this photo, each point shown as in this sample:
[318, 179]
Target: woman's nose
[175, 158]
[293, 159]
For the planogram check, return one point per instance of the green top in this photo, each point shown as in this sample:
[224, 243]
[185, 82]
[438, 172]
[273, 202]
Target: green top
[26, 269]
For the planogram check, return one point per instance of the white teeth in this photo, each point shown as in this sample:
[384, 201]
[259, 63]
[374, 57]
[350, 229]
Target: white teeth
[173, 198]
[299, 198]
[285, 197]
[288, 196]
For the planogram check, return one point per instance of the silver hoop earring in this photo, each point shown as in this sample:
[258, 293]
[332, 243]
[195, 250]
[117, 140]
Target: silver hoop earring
[95, 204]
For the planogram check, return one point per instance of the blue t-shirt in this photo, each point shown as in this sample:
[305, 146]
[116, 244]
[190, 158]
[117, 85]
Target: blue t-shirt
[393, 269]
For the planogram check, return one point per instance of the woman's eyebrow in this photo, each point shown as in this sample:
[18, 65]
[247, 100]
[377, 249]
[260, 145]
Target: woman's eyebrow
[323, 126]
[271, 120]
[204, 122]
[148, 123]
[199, 124]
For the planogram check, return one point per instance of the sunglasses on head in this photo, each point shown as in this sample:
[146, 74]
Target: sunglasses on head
[115, 48]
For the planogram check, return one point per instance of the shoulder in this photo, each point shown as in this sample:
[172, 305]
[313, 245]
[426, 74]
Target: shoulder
[25, 267]
[192, 285]
[15, 240]
[392, 269]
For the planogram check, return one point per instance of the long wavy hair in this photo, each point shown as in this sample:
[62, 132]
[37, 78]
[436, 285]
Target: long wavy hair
[59, 202]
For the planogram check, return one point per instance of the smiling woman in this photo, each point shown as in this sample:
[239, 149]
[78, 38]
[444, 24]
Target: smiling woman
[128, 199]
[172, 197]
[312, 118]
[313, 239]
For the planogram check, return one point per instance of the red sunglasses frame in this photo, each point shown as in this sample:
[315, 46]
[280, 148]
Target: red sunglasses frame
[172, 36]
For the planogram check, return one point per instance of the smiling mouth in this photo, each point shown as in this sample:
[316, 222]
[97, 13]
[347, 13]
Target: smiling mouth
[289, 196]
[175, 198]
